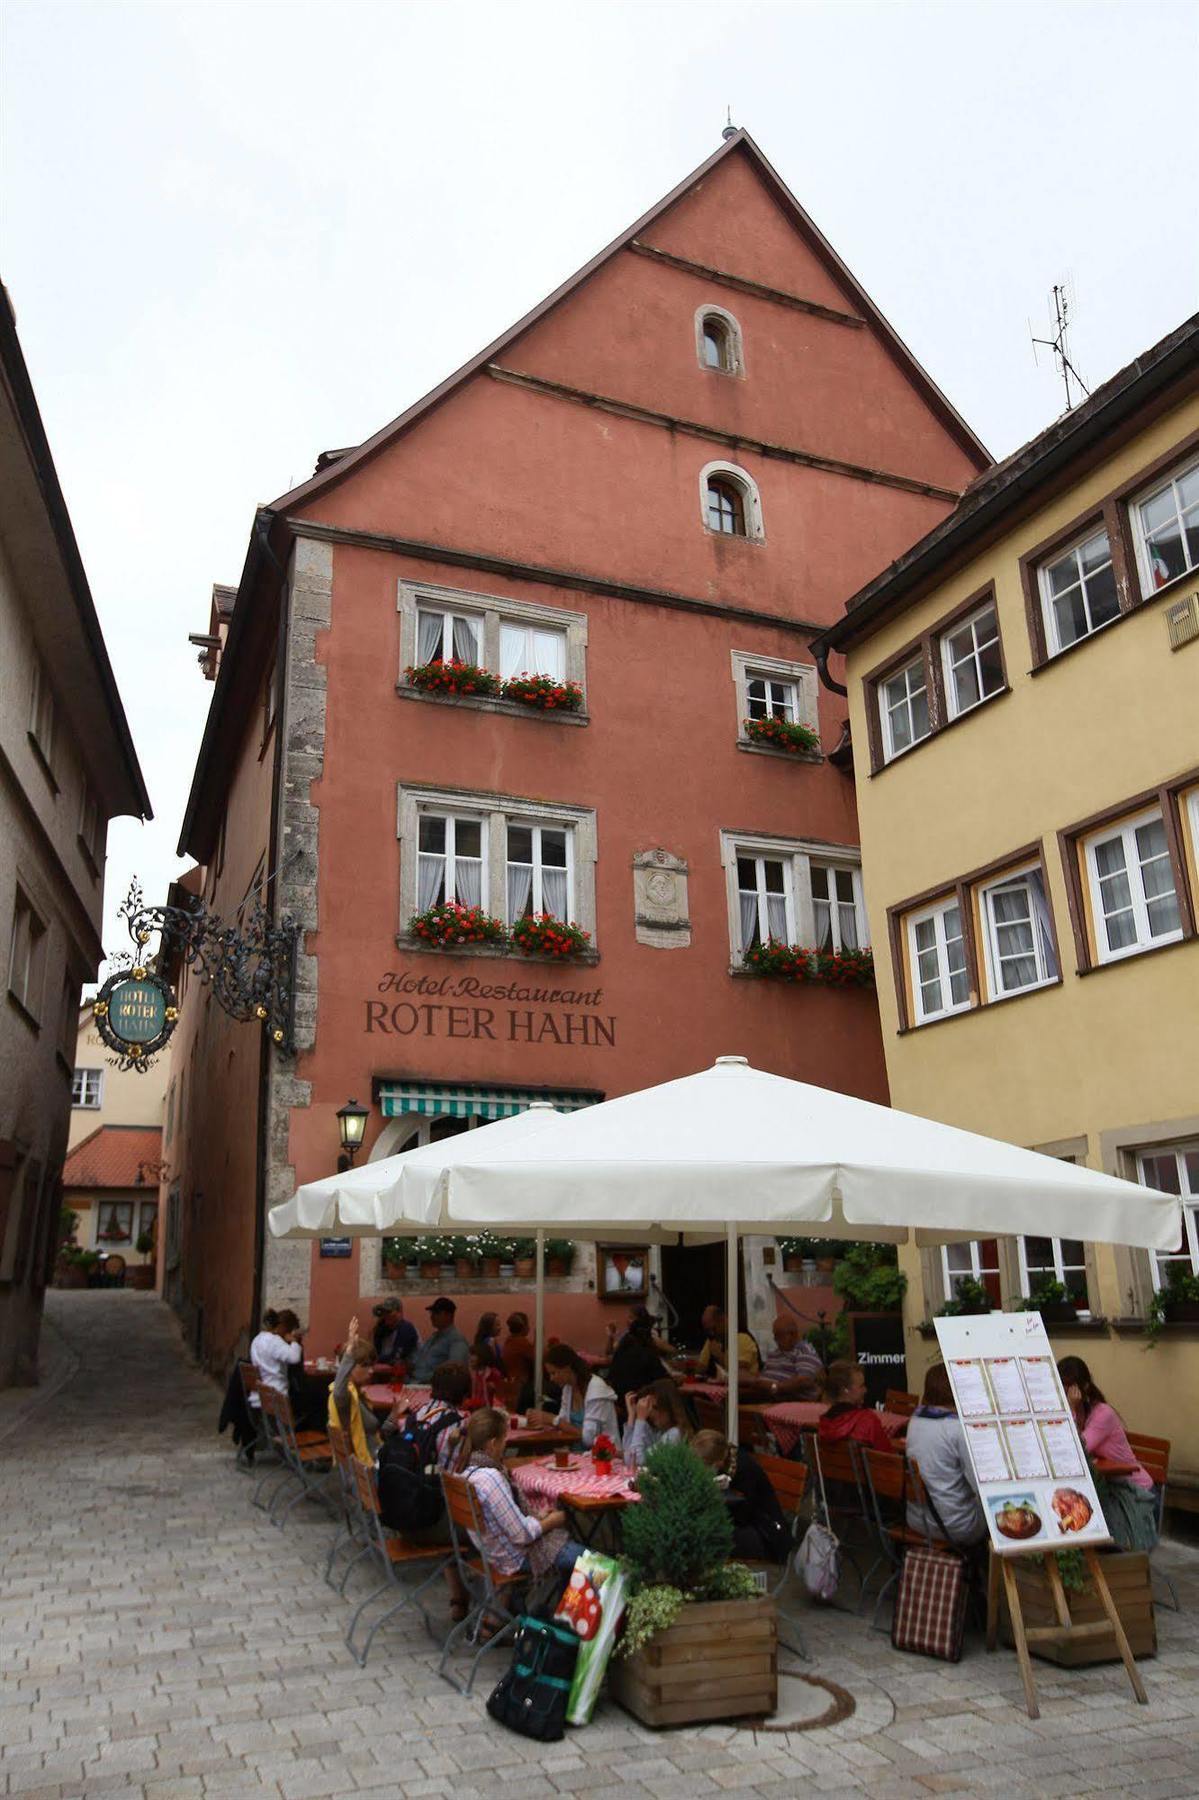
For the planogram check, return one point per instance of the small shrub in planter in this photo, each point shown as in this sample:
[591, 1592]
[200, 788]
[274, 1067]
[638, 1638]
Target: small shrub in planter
[969, 1296]
[559, 1256]
[869, 1279]
[540, 934]
[781, 734]
[449, 924]
[453, 678]
[523, 1252]
[491, 1254]
[431, 1254]
[142, 1275]
[543, 693]
[395, 1258]
[1175, 1304]
[1052, 1300]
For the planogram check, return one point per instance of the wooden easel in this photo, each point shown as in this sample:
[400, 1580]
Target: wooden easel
[1001, 1569]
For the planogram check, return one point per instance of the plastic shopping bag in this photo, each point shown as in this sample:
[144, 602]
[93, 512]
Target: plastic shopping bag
[592, 1606]
[819, 1561]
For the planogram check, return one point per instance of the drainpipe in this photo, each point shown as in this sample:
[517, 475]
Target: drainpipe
[262, 528]
[834, 687]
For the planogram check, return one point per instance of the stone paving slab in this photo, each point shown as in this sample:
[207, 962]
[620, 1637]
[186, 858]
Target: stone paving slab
[160, 1638]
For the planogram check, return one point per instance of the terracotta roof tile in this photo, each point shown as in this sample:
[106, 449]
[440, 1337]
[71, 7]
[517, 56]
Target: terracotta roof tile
[112, 1155]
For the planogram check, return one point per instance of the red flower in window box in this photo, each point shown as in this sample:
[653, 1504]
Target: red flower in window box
[450, 924]
[781, 734]
[540, 934]
[453, 678]
[544, 692]
[790, 962]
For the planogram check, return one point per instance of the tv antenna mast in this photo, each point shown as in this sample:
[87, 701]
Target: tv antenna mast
[1057, 343]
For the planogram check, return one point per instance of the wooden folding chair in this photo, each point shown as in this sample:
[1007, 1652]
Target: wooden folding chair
[754, 1434]
[710, 1415]
[392, 1552]
[1153, 1454]
[248, 1376]
[489, 1594]
[354, 1532]
[887, 1482]
[308, 1463]
[789, 1481]
[899, 1402]
[849, 1507]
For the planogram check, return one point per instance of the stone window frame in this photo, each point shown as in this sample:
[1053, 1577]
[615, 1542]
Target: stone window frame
[745, 665]
[1118, 1153]
[492, 611]
[801, 854]
[735, 340]
[496, 810]
[751, 501]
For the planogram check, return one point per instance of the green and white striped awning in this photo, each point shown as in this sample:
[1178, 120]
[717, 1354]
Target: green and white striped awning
[434, 1099]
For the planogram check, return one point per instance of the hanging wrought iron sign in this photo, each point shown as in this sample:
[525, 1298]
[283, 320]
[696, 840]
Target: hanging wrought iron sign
[249, 966]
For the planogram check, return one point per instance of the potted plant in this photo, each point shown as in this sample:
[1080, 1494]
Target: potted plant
[869, 1279]
[1052, 1300]
[825, 1253]
[603, 1453]
[1175, 1304]
[842, 968]
[793, 1252]
[450, 926]
[466, 1257]
[540, 934]
[559, 1256]
[141, 1275]
[491, 1255]
[782, 734]
[700, 1642]
[432, 1253]
[969, 1296]
[776, 962]
[453, 679]
[395, 1258]
[523, 1252]
[544, 693]
[78, 1266]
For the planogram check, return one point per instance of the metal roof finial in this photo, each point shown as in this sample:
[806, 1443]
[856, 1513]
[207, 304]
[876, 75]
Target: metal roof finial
[730, 130]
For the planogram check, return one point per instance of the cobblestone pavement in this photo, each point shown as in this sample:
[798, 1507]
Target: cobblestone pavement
[159, 1637]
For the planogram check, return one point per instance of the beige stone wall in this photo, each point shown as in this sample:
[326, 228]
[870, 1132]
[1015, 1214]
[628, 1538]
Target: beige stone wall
[126, 1097]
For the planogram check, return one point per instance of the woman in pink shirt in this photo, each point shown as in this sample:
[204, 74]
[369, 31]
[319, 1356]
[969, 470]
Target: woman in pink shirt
[1129, 1501]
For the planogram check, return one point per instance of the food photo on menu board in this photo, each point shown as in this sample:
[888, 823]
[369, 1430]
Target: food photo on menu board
[1021, 1437]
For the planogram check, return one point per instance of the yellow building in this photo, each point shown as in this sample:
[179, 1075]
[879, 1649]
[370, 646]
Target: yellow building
[114, 1147]
[1024, 701]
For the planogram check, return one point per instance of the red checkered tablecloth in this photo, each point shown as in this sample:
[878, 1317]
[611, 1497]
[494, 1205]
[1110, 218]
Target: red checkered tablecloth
[384, 1394]
[543, 1480]
[708, 1390]
[790, 1417]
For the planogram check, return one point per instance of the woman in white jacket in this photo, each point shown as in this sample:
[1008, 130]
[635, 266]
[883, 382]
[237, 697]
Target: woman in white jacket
[587, 1400]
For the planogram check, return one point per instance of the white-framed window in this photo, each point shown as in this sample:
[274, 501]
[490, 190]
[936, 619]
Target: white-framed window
[41, 710]
[1174, 1169]
[87, 1088]
[509, 855]
[1078, 591]
[837, 906]
[27, 956]
[453, 859]
[1045, 1259]
[1166, 527]
[718, 341]
[972, 660]
[766, 897]
[775, 687]
[509, 637]
[768, 698]
[1132, 886]
[978, 1261]
[1017, 933]
[903, 708]
[937, 954]
[540, 867]
[730, 504]
[445, 636]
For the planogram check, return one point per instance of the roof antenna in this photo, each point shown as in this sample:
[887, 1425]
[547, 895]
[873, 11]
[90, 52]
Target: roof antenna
[1057, 343]
[730, 130]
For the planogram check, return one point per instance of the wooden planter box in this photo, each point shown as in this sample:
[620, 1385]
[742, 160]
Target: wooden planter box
[1128, 1577]
[719, 1662]
[140, 1275]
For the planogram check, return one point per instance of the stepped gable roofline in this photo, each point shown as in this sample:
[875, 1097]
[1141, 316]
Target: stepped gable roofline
[987, 506]
[111, 1156]
[21, 399]
[328, 475]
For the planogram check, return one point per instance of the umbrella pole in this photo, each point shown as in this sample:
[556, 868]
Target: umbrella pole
[732, 1310]
[539, 1319]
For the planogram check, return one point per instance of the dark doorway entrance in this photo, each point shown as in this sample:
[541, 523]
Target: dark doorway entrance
[693, 1276]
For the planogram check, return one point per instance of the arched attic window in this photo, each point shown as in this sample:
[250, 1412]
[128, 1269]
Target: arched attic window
[730, 502]
[718, 341]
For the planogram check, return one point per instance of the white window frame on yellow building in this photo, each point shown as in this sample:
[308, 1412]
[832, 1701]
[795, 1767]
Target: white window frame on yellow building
[1149, 585]
[1126, 833]
[1183, 1153]
[1043, 950]
[936, 914]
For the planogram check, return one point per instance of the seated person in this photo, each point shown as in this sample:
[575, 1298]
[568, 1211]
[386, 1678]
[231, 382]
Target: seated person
[488, 1384]
[346, 1409]
[760, 1530]
[445, 1408]
[395, 1337]
[793, 1369]
[640, 1316]
[656, 1415]
[714, 1357]
[937, 1443]
[635, 1363]
[445, 1343]
[519, 1359]
[516, 1541]
[848, 1415]
[587, 1399]
[1129, 1501]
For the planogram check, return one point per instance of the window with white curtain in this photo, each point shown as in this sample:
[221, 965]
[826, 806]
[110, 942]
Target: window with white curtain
[1132, 887]
[539, 871]
[1045, 1259]
[837, 906]
[978, 1261]
[767, 900]
[452, 860]
[448, 637]
[1174, 1169]
[1017, 933]
[940, 979]
[87, 1085]
[528, 650]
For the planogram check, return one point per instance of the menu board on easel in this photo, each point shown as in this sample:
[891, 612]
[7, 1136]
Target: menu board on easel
[1029, 1463]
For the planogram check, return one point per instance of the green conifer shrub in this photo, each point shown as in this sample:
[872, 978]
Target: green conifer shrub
[681, 1532]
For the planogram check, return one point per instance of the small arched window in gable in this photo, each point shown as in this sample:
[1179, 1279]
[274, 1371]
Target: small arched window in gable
[729, 501]
[718, 340]
[726, 506]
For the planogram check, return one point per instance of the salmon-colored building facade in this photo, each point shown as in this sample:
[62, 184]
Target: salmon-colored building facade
[658, 486]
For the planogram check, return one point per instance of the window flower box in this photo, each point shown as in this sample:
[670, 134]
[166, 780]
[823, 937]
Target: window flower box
[453, 678]
[791, 962]
[543, 693]
[782, 734]
[449, 924]
[540, 934]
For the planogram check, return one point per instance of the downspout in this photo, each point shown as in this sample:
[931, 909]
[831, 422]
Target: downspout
[262, 528]
[834, 687]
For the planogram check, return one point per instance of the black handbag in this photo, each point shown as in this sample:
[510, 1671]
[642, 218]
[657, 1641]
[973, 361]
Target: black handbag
[531, 1697]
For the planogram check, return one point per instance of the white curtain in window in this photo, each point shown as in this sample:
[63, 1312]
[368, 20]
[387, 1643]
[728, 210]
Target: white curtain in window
[466, 640]
[1044, 922]
[776, 917]
[468, 880]
[1013, 934]
[520, 886]
[429, 633]
[553, 892]
[430, 875]
[749, 919]
[549, 652]
[513, 639]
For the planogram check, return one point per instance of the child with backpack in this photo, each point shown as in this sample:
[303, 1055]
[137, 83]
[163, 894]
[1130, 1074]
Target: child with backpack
[427, 1441]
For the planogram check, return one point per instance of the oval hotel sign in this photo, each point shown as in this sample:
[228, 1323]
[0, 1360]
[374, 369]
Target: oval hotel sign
[135, 1014]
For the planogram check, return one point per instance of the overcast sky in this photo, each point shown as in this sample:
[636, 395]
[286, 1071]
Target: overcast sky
[237, 235]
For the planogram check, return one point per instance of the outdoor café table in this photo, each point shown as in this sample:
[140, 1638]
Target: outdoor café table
[707, 1390]
[791, 1417]
[587, 1495]
[541, 1437]
[381, 1396]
